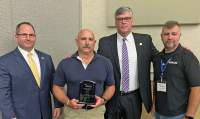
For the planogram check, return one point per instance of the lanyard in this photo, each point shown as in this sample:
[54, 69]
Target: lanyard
[163, 67]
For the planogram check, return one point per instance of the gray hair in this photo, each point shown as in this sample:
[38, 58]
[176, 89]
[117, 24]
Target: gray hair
[123, 9]
[170, 24]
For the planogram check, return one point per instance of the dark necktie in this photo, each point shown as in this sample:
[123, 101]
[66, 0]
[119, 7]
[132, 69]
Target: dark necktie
[125, 67]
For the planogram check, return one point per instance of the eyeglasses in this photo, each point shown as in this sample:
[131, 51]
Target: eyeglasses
[25, 35]
[172, 34]
[124, 19]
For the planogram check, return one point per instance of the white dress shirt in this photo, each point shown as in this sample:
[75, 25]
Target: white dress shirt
[35, 57]
[132, 57]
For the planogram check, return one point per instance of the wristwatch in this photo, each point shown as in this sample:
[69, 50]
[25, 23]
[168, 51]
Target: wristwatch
[189, 117]
[104, 99]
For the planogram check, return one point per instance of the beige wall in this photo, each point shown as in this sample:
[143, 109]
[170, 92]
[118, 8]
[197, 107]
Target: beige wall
[94, 17]
[56, 24]
[152, 11]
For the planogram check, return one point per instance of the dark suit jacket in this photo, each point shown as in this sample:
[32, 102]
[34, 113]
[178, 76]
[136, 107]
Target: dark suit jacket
[20, 95]
[145, 52]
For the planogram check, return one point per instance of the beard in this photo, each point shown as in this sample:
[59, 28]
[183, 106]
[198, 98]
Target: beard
[170, 46]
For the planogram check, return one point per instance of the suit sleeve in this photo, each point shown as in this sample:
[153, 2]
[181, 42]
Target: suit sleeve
[99, 50]
[154, 51]
[6, 102]
[103, 47]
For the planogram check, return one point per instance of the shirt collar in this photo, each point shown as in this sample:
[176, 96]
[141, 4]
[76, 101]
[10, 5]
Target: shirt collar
[75, 55]
[25, 53]
[176, 50]
[129, 37]
[168, 55]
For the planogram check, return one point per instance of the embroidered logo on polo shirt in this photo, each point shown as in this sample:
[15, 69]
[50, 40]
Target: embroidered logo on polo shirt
[173, 62]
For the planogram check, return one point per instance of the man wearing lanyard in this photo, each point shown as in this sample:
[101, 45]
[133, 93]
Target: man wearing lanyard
[176, 77]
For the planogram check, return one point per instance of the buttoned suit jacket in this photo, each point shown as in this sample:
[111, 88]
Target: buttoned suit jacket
[145, 52]
[20, 95]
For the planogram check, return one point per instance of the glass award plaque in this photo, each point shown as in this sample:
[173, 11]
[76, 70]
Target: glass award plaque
[87, 92]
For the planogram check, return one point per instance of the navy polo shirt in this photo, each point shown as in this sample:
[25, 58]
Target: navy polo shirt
[71, 72]
[182, 73]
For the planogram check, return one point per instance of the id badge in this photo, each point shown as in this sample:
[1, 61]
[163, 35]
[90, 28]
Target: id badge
[162, 86]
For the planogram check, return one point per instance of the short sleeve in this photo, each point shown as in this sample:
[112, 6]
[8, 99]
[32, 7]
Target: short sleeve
[192, 69]
[110, 75]
[59, 76]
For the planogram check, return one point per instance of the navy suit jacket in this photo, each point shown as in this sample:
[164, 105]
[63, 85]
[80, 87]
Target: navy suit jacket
[20, 95]
[145, 52]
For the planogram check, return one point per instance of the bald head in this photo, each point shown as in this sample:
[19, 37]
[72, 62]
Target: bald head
[85, 41]
[85, 31]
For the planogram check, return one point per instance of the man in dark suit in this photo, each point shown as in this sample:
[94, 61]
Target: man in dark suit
[26, 76]
[131, 55]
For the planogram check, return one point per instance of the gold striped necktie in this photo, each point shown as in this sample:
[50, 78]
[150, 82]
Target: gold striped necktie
[33, 68]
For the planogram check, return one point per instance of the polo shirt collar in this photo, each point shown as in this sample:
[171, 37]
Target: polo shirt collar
[176, 50]
[76, 54]
[167, 55]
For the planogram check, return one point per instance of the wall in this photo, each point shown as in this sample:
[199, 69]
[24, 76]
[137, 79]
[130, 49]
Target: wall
[157, 11]
[56, 24]
[94, 17]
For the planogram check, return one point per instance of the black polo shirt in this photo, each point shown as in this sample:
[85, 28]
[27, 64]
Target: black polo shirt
[70, 71]
[182, 72]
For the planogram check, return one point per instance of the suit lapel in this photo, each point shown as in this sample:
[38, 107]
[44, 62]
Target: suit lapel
[114, 50]
[21, 61]
[139, 44]
[23, 65]
[42, 67]
[113, 44]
